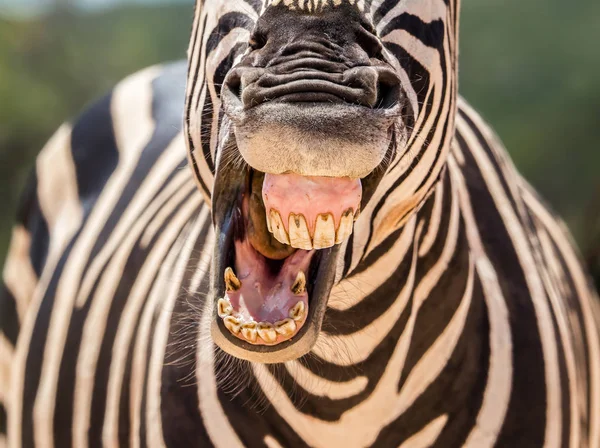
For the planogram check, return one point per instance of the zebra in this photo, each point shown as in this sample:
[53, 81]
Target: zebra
[424, 295]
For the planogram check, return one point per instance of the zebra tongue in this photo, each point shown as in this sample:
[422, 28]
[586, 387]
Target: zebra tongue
[262, 294]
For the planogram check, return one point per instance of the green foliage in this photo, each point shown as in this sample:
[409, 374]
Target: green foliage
[50, 68]
[531, 68]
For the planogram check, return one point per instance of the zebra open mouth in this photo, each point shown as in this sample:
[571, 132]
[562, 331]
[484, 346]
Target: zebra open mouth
[283, 229]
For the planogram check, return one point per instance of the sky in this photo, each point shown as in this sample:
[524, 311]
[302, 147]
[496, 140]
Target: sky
[32, 7]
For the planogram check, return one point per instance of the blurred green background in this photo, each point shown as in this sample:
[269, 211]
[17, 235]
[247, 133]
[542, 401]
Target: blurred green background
[531, 68]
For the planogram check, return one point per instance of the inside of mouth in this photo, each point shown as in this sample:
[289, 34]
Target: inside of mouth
[270, 273]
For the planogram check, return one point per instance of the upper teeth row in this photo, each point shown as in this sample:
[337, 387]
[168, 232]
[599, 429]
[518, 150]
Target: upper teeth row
[265, 330]
[299, 236]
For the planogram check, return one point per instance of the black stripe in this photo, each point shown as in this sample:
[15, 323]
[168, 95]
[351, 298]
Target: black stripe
[443, 300]
[525, 421]
[33, 363]
[226, 64]
[371, 307]
[487, 148]
[3, 418]
[430, 34]
[189, 97]
[9, 318]
[29, 215]
[373, 367]
[168, 91]
[385, 7]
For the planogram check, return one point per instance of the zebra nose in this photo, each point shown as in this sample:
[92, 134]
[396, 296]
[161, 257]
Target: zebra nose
[368, 86]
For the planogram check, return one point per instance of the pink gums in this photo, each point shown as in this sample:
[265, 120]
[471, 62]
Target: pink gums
[310, 196]
[265, 297]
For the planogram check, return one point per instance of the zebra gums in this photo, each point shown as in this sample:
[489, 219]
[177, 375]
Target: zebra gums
[350, 258]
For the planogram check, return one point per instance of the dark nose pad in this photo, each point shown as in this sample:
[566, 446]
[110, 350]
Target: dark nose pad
[367, 86]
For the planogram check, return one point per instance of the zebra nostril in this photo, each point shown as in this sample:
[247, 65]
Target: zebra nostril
[389, 93]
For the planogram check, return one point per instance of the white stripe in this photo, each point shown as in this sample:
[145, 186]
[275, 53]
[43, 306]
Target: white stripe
[353, 348]
[539, 300]
[7, 353]
[163, 315]
[434, 221]
[137, 295]
[321, 387]
[590, 311]
[353, 289]
[63, 233]
[216, 423]
[497, 392]
[19, 277]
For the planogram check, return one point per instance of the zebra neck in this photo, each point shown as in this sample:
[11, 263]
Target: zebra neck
[418, 272]
[406, 317]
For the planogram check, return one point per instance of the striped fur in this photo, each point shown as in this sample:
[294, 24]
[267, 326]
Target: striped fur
[460, 316]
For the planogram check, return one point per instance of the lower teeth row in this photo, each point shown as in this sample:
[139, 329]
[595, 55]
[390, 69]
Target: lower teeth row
[265, 330]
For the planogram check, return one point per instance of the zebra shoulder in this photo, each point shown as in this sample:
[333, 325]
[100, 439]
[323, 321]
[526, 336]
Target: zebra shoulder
[128, 128]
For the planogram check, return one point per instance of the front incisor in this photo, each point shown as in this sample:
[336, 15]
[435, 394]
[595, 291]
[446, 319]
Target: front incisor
[285, 327]
[345, 229]
[299, 234]
[249, 331]
[278, 228]
[232, 324]
[324, 232]
[266, 332]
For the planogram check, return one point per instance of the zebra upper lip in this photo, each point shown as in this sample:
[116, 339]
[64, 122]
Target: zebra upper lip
[311, 212]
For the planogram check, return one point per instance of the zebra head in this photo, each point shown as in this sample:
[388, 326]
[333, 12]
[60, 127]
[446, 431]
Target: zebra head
[315, 128]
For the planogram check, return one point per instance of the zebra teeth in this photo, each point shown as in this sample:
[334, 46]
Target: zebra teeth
[299, 285]
[277, 227]
[249, 331]
[345, 229]
[233, 324]
[224, 308]
[299, 234]
[285, 327]
[297, 311]
[267, 332]
[324, 232]
[232, 283]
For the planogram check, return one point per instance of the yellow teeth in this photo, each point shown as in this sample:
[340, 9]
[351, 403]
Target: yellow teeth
[285, 327]
[278, 228]
[266, 332]
[345, 228]
[299, 235]
[299, 285]
[224, 308]
[233, 324]
[325, 233]
[249, 331]
[232, 283]
[297, 311]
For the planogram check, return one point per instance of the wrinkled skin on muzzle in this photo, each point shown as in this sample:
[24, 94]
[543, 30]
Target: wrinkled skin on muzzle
[314, 96]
